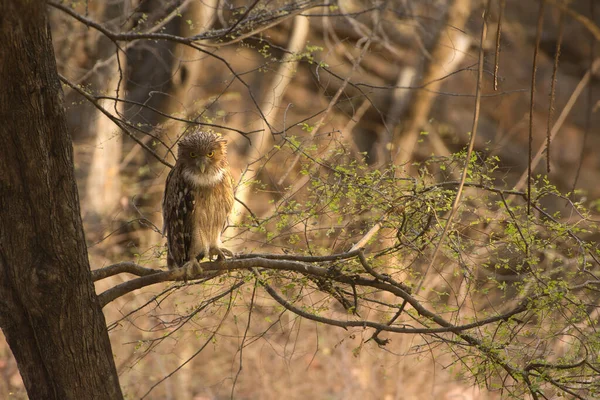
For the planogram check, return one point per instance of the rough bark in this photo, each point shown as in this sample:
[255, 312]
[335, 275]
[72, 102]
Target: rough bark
[49, 311]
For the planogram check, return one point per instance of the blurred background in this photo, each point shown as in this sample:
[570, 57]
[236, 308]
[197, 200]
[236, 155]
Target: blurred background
[389, 82]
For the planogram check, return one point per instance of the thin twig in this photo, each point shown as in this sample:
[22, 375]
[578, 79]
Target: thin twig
[502, 4]
[561, 118]
[169, 116]
[561, 29]
[114, 119]
[465, 171]
[449, 51]
[586, 22]
[538, 37]
[262, 143]
[245, 336]
[446, 326]
[590, 106]
[264, 21]
[208, 341]
[327, 111]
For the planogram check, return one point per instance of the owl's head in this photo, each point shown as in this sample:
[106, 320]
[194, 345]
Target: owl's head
[203, 154]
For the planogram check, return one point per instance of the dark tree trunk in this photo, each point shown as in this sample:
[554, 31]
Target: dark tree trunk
[49, 311]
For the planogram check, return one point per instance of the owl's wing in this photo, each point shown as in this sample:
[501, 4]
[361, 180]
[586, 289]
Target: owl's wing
[230, 194]
[178, 207]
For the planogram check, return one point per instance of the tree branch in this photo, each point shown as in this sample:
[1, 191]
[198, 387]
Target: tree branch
[119, 268]
[268, 20]
[210, 270]
[121, 124]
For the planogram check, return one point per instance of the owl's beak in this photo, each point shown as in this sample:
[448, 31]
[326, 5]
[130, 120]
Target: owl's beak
[202, 164]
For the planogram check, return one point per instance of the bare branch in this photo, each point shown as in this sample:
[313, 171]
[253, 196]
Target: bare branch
[264, 20]
[123, 125]
[122, 267]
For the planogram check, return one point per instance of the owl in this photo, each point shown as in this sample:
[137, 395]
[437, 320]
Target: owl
[198, 198]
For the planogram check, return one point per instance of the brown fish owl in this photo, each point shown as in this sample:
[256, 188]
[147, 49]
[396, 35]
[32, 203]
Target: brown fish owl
[198, 198]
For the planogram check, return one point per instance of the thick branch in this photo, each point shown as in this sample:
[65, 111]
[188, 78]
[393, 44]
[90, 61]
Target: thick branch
[128, 267]
[210, 270]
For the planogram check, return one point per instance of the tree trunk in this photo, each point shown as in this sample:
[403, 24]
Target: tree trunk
[49, 311]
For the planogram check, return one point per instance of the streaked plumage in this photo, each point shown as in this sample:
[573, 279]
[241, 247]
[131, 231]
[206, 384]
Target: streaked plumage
[198, 198]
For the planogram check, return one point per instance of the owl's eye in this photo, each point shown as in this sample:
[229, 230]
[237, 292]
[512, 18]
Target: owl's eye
[210, 154]
[193, 155]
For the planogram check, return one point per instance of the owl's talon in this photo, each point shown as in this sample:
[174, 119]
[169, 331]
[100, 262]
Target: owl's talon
[191, 269]
[220, 252]
[227, 252]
